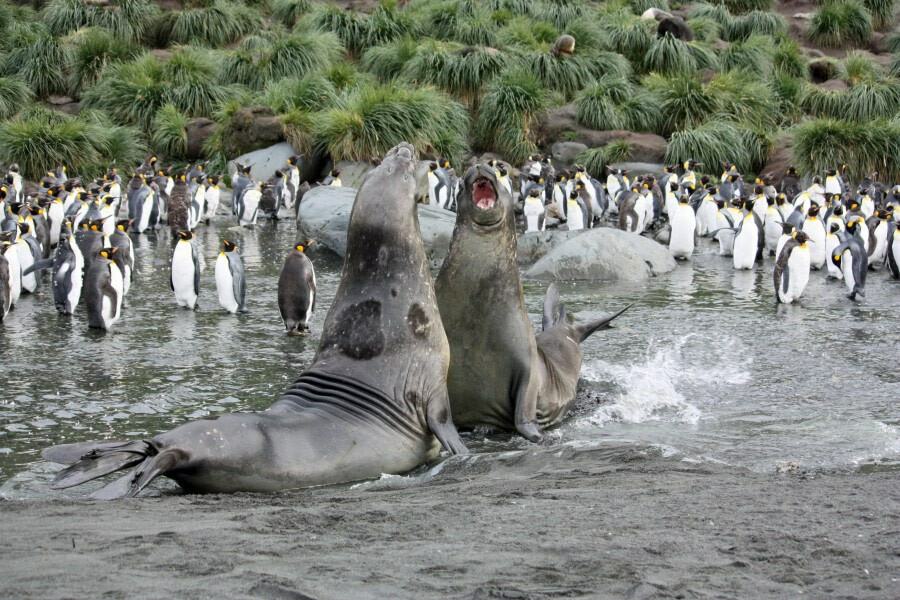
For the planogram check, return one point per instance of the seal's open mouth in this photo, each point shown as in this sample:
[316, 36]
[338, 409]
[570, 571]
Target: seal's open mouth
[483, 194]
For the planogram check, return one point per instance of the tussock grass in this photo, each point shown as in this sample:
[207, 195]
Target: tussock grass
[214, 23]
[14, 96]
[864, 147]
[40, 139]
[595, 160]
[369, 120]
[261, 59]
[858, 67]
[509, 115]
[41, 62]
[93, 50]
[288, 12]
[882, 12]
[169, 134]
[127, 20]
[841, 23]
[717, 141]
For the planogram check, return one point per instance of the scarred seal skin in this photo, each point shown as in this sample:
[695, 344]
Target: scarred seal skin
[374, 400]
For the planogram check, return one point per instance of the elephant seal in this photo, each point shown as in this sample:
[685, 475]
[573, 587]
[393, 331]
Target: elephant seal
[501, 374]
[374, 400]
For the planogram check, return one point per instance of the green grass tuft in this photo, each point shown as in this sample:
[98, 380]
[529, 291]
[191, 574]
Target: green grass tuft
[127, 20]
[756, 22]
[169, 136]
[669, 56]
[215, 24]
[14, 96]
[753, 55]
[788, 60]
[561, 74]
[595, 160]
[509, 115]
[462, 72]
[260, 60]
[683, 101]
[288, 12]
[882, 12]
[841, 23]
[858, 67]
[743, 6]
[864, 147]
[358, 32]
[41, 63]
[713, 143]
[388, 60]
[369, 120]
[41, 140]
[93, 50]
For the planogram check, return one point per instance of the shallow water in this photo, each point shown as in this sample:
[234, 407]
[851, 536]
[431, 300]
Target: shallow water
[704, 367]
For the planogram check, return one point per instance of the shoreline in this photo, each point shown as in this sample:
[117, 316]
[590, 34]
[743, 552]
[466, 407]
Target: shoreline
[635, 528]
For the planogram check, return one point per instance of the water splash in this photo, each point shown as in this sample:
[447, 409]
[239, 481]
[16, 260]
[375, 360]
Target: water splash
[651, 389]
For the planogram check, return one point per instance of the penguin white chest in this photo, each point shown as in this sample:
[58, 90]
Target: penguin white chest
[816, 232]
[574, 216]
[684, 224]
[111, 309]
[26, 259]
[183, 275]
[746, 245]
[706, 217]
[249, 206]
[225, 284]
[797, 275]
[832, 242]
[534, 214]
[15, 274]
[847, 270]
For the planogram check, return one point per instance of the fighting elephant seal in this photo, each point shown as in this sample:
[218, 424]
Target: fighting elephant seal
[374, 400]
[501, 374]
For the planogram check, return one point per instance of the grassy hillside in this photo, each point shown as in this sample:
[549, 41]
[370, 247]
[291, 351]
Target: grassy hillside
[452, 76]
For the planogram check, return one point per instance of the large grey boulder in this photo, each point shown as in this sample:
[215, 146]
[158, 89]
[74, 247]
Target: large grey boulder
[603, 253]
[264, 162]
[325, 216]
[535, 245]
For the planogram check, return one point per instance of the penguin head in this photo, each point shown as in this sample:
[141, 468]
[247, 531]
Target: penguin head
[95, 225]
[787, 229]
[432, 167]
[228, 246]
[854, 205]
[122, 224]
[534, 192]
[445, 163]
[502, 170]
[108, 253]
[23, 226]
[335, 173]
[791, 170]
[817, 180]
[684, 199]
[801, 238]
[834, 228]
[14, 168]
[853, 224]
[770, 201]
[482, 201]
[108, 200]
[830, 172]
[813, 210]
[301, 247]
[182, 177]
[573, 195]
[838, 210]
[185, 236]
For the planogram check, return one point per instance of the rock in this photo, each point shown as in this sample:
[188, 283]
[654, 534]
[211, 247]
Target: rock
[325, 216]
[565, 153]
[64, 104]
[352, 172]
[198, 131]
[264, 162]
[639, 168]
[603, 253]
[534, 246]
[780, 158]
[252, 128]
[834, 85]
[560, 125]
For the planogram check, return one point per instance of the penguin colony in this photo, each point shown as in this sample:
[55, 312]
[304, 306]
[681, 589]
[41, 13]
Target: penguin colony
[820, 224]
[73, 228]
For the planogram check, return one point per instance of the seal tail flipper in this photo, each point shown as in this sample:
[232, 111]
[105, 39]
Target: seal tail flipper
[102, 461]
[584, 330]
[131, 484]
[551, 307]
[67, 454]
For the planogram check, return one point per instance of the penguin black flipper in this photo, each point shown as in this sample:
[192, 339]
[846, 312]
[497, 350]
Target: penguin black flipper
[238, 284]
[782, 274]
[44, 263]
[196, 258]
[889, 255]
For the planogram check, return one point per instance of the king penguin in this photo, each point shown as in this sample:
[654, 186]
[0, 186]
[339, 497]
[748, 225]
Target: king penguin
[534, 211]
[230, 284]
[438, 187]
[684, 226]
[185, 276]
[831, 242]
[851, 257]
[10, 253]
[68, 274]
[792, 269]
[124, 256]
[893, 250]
[5, 284]
[297, 290]
[878, 225]
[213, 195]
[249, 208]
[29, 253]
[576, 212]
[103, 291]
[746, 242]
[815, 232]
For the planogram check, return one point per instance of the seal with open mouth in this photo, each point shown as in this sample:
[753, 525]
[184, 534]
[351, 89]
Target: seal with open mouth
[501, 374]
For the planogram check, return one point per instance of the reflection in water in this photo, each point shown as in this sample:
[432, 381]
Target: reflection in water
[703, 367]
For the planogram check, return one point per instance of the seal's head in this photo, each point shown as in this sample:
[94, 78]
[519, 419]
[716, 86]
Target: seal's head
[482, 201]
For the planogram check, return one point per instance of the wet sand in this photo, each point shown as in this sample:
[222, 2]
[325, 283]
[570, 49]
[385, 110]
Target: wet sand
[635, 526]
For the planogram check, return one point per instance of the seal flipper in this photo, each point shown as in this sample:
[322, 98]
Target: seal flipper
[67, 454]
[584, 330]
[551, 307]
[525, 402]
[440, 421]
[103, 461]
